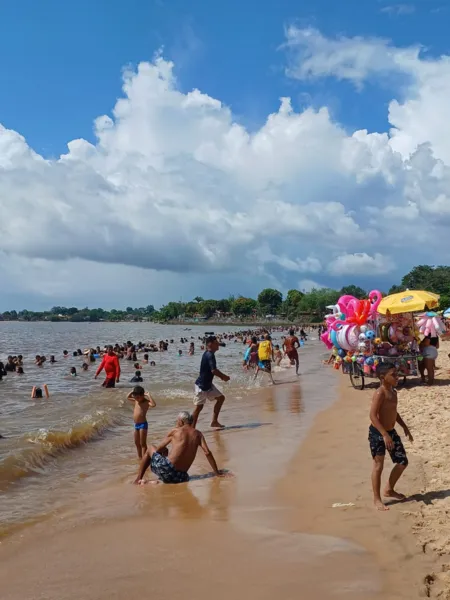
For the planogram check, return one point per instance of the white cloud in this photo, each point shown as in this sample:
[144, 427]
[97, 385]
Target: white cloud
[399, 9]
[361, 263]
[176, 196]
[355, 59]
[306, 285]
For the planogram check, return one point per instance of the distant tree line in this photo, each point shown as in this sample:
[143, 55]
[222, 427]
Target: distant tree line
[295, 306]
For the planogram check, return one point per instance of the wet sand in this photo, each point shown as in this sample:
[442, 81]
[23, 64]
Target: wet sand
[268, 532]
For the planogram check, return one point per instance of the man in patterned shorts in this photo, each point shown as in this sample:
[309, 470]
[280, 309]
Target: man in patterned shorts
[173, 466]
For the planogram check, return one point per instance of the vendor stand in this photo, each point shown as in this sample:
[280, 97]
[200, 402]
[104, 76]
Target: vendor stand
[384, 332]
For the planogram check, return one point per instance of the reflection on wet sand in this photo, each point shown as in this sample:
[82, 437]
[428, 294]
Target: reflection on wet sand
[296, 405]
[270, 397]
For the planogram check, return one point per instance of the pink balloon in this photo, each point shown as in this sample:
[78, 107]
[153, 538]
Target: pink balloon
[325, 337]
[343, 303]
[375, 298]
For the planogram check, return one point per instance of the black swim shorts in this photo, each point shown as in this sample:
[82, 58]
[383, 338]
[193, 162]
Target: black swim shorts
[378, 447]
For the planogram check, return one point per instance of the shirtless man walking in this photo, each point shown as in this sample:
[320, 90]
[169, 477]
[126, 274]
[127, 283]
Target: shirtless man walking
[290, 345]
[382, 436]
[184, 440]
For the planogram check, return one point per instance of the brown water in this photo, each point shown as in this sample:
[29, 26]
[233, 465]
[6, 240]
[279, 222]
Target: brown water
[50, 446]
[66, 465]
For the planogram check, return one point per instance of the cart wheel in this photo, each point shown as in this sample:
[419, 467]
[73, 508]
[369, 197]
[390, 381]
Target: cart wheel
[357, 379]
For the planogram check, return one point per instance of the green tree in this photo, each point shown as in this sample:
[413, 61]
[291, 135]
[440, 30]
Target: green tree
[291, 303]
[207, 308]
[317, 300]
[269, 301]
[395, 289]
[172, 310]
[354, 290]
[243, 307]
[425, 277]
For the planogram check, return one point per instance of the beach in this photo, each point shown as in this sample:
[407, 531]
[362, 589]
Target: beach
[295, 518]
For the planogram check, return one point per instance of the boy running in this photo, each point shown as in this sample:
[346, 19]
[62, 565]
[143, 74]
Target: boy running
[382, 436]
[142, 402]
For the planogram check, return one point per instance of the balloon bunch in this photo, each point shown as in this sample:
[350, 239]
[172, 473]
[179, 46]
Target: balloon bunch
[346, 325]
[429, 323]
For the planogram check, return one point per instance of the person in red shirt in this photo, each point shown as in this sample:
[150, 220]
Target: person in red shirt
[111, 365]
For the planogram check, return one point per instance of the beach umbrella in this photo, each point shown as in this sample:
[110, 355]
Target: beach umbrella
[408, 301]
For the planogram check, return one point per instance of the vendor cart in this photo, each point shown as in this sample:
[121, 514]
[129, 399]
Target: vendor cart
[407, 366]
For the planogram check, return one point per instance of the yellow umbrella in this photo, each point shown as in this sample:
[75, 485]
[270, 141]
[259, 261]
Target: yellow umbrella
[408, 301]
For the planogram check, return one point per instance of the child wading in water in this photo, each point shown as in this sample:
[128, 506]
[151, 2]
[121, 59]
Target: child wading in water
[142, 402]
[382, 436]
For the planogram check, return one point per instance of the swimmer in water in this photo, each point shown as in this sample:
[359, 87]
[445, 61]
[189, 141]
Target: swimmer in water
[142, 401]
[137, 378]
[84, 366]
[20, 371]
[73, 371]
[36, 392]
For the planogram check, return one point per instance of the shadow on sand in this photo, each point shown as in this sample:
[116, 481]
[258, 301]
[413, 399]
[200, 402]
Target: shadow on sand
[427, 498]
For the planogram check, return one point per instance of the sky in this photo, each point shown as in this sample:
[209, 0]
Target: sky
[159, 150]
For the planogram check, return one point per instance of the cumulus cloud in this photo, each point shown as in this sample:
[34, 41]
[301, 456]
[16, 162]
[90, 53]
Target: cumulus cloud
[360, 263]
[176, 190]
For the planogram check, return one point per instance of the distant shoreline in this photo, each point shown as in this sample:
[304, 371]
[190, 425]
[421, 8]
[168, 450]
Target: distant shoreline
[240, 324]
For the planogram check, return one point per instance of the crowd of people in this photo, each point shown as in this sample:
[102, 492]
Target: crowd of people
[171, 466]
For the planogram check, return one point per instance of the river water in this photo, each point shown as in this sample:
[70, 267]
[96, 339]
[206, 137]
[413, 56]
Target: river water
[84, 432]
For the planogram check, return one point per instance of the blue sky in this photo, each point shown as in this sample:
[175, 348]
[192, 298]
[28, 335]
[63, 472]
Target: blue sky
[62, 61]
[190, 198]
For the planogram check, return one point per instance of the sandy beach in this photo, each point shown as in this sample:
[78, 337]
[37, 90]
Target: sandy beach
[270, 531]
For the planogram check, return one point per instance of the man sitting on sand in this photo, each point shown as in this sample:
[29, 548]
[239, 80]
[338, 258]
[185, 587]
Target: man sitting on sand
[382, 435]
[185, 440]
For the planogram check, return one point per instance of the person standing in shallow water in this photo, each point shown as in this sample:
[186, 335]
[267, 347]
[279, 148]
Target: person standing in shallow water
[382, 436]
[204, 386]
[111, 365]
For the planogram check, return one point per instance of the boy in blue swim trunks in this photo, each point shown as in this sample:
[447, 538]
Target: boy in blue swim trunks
[142, 402]
[173, 466]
